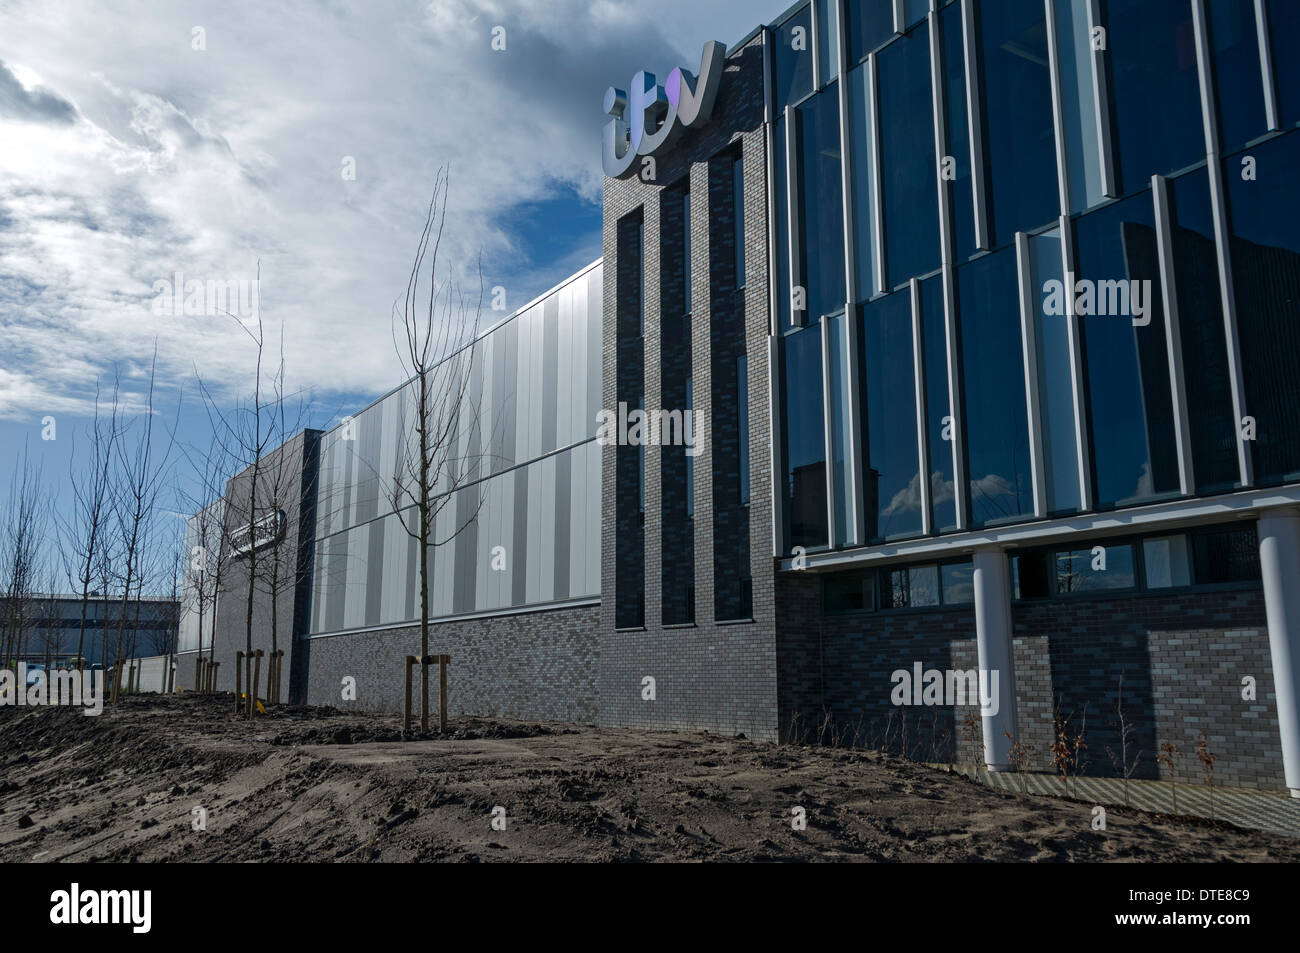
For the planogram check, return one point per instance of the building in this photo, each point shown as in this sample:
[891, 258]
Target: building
[984, 318]
[51, 630]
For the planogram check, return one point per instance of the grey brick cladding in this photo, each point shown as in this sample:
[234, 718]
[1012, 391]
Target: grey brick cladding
[1182, 657]
[716, 674]
[534, 665]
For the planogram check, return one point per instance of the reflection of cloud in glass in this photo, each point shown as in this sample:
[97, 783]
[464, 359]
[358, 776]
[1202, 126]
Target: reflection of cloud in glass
[908, 499]
[941, 490]
[1145, 485]
[905, 500]
[990, 486]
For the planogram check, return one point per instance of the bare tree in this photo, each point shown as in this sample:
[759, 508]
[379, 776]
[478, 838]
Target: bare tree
[249, 431]
[438, 324]
[140, 481]
[87, 522]
[281, 492]
[208, 551]
[23, 534]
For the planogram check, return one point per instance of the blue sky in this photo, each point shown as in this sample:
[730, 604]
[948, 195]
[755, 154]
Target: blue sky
[140, 139]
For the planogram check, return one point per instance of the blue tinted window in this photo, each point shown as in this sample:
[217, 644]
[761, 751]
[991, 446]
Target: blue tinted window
[863, 182]
[1095, 569]
[996, 429]
[742, 423]
[870, 23]
[1265, 245]
[804, 438]
[911, 202]
[1157, 125]
[1130, 411]
[1284, 29]
[1204, 344]
[1055, 380]
[890, 483]
[914, 11]
[957, 129]
[1078, 104]
[958, 583]
[828, 40]
[943, 502]
[1019, 147]
[821, 204]
[1238, 81]
[792, 61]
[840, 425]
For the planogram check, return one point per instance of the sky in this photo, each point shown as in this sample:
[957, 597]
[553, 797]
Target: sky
[297, 142]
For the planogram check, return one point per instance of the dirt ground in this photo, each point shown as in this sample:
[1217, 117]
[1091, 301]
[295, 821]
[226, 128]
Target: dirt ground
[318, 784]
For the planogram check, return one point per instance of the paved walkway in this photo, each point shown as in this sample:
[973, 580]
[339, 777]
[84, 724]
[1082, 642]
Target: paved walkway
[1273, 811]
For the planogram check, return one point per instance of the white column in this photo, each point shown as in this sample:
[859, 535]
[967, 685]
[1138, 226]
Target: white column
[1279, 564]
[993, 639]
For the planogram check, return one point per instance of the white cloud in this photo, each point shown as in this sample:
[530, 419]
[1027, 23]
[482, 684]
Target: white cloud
[129, 156]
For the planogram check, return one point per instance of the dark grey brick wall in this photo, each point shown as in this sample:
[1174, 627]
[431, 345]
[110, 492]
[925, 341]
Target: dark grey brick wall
[535, 665]
[1182, 657]
[708, 675]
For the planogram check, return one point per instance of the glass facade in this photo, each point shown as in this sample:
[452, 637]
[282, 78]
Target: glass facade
[1156, 125]
[1032, 364]
[1016, 112]
[803, 444]
[1264, 242]
[1128, 395]
[910, 206]
[996, 433]
[821, 204]
[892, 479]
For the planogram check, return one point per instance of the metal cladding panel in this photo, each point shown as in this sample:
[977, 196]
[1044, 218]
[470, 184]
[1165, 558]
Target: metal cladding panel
[524, 445]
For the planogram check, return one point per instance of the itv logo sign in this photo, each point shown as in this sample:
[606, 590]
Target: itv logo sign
[650, 117]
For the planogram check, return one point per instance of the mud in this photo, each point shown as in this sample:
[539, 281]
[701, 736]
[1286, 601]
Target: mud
[319, 784]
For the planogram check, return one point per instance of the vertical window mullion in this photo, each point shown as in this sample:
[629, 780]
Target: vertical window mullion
[828, 436]
[775, 411]
[938, 94]
[1219, 205]
[956, 408]
[918, 382]
[942, 140]
[1083, 446]
[814, 42]
[1029, 354]
[1058, 111]
[877, 179]
[857, 525]
[975, 125]
[1173, 334]
[798, 318]
[1266, 66]
[1101, 95]
[773, 259]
